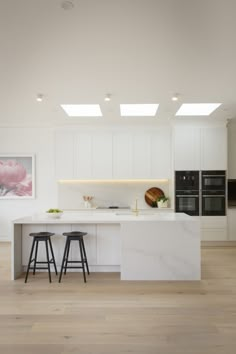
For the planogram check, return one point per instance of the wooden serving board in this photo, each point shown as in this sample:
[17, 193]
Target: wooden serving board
[152, 194]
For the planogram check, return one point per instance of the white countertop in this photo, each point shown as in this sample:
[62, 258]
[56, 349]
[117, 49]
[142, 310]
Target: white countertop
[91, 217]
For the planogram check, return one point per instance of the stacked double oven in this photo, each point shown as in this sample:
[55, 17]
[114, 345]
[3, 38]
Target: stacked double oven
[200, 192]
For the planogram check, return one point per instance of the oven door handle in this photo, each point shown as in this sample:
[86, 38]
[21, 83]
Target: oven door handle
[214, 196]
[213, 176]
[187, 196]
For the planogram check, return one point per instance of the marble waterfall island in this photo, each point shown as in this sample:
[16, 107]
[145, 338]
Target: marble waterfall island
[157, 246]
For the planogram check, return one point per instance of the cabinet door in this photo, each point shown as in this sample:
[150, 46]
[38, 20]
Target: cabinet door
[232, 224]
[90, 242]
[64, 155]
[83, 156]
[108, 244]
[161, 153]
[141, 156]
[102, 156]
[186, 148]
[122, 156]
[214, 228]
[214, 148]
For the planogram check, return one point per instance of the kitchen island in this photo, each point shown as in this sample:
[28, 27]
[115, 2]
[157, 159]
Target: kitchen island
[148, 246]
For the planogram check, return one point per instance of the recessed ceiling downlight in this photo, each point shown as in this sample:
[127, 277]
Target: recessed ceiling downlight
[39, 97]
[138, 110]
[82, 110]
[67, 5]
[197, 109]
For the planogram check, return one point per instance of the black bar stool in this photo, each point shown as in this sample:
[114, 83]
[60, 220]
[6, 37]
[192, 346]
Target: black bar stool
[74, 236]
[39, 237]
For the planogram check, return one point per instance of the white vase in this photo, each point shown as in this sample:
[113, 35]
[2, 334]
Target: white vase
[87, 204]
[162, 204]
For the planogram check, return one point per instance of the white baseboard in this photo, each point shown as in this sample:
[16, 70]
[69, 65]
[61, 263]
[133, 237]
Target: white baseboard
[218, 243]
[5, 238]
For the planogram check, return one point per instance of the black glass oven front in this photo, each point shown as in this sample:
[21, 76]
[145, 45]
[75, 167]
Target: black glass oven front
[213, 180]
[187, 203]
[213, 204]
[187, 180]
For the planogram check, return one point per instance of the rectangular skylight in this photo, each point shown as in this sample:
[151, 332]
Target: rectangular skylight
[137, 110]
[197, 109]
[82, 110]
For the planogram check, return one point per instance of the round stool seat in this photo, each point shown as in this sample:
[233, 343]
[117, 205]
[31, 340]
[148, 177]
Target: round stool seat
[75, 233]
[39, 234]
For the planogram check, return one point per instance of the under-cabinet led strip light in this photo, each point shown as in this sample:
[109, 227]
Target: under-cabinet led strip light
[63, 181]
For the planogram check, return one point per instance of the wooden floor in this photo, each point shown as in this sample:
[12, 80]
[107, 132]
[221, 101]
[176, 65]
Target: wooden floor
[109, 316]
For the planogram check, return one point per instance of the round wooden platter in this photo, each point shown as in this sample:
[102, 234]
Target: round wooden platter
[152, 194]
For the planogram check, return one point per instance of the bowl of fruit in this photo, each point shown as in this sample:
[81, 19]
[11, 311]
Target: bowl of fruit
[54, 213]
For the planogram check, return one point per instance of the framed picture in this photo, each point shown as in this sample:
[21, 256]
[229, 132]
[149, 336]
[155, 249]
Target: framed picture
[17, 177]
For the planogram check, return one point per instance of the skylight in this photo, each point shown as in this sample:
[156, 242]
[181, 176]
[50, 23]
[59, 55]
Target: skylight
[197, 109]
[82, 110]
[137, 110]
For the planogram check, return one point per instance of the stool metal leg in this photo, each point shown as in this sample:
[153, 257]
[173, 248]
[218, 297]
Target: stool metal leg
[82, 259]
[48, 261]
[35, 256]
[53, 258]
[30, 260]
[63, 260]
[67, 256]
[85, 256]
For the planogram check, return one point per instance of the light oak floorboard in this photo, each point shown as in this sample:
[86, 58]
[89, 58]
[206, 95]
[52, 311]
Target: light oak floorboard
[107, 315]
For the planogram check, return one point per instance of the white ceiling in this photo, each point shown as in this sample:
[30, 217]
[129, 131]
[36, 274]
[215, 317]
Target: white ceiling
[139, 51]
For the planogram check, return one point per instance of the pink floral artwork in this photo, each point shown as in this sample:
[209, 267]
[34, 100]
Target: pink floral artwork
[16, 178]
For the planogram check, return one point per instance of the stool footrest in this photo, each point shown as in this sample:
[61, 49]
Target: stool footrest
[74, 267]
[38, 268]
[51, 261]
[75, 261]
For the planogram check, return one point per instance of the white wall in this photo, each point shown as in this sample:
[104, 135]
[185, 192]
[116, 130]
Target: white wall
[40, 143]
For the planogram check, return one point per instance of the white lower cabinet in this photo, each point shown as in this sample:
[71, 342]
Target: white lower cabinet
[90, 242]
[232, 224]
[102, 244]
[214, 228]
[108, 244]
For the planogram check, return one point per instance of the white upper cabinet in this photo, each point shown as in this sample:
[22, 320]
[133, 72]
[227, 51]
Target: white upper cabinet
[186, 148]
[122, 156]
[202, 148]
[83, 156]
[141, 156]
[214, 148]
[160, 153]
[101, 156]
[117, 155]
[64, 155]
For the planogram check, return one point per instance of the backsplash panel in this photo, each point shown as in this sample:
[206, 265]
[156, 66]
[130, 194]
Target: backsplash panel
[121, 194]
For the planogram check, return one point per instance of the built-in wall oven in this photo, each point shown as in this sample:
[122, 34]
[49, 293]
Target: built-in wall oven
[187, 196]
[200, 196]
[213, 193]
